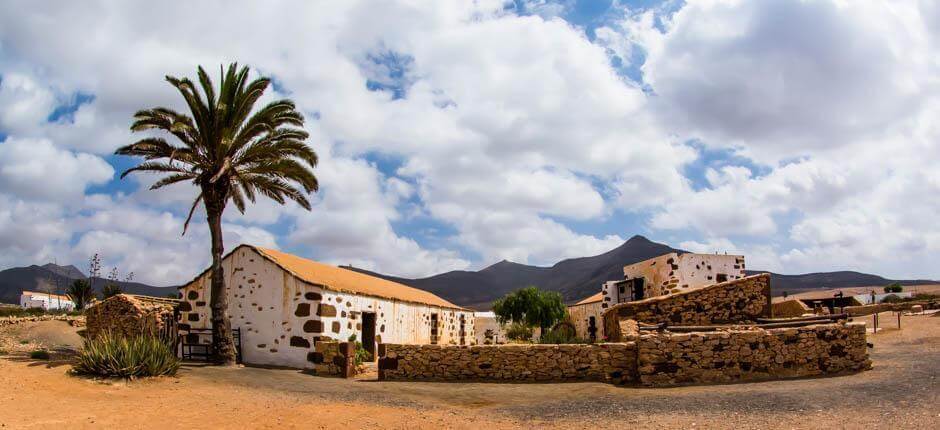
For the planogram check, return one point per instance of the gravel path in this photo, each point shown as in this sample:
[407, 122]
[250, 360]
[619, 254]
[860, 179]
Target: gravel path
[902, 391]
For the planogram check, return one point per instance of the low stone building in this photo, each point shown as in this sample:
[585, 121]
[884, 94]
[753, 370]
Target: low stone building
[283, 305]
[130, 315]
[739, 301]
[586, 318]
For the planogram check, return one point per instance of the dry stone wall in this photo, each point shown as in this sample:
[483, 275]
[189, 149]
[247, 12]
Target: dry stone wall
[127, 315]
[658, 359]
[740, 300]
[790, 308]
[609, 362]
[333, 358]
[74, 321]
[751, 354]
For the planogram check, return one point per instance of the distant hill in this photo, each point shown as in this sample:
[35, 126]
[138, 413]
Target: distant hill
[578, 278]
[55, 279]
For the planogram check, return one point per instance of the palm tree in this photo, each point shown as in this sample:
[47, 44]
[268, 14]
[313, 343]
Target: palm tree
[230, 152]
[80, 293]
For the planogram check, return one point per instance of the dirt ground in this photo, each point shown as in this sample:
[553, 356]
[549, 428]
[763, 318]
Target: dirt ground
[902, 391]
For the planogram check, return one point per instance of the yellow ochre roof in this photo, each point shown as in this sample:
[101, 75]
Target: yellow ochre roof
[593, 299]
[348, 281]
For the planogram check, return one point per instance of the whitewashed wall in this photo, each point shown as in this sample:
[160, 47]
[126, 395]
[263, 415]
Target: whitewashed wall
[280, 316]
[580, 316]
[672, 273]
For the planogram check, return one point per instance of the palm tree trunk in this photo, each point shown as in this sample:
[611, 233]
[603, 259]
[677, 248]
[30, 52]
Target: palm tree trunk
[221, 326]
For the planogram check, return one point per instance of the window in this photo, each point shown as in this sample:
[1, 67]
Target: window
[721, 277]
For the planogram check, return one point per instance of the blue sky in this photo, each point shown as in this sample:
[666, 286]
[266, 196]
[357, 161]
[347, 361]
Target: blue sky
[454, 135]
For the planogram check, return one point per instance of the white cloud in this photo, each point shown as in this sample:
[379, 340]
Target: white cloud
[510, 130]
[37, 169]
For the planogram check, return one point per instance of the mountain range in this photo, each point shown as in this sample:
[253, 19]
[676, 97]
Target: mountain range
[55, 279]
[574, 278]
[578, 278]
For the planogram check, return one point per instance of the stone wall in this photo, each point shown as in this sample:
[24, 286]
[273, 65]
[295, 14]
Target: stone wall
[740, 300]
[790, 308]
[333, 358]
[608, 362]
[128, 315]
[74, 321]
[749, 354]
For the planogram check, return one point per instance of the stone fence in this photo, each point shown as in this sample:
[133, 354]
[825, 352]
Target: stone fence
[608, 362]
[740, 300]
[751, 354]
[129, 315]
[333, 358]
[76, 321]
[656, 359]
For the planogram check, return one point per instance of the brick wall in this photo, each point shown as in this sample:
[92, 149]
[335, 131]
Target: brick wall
[740, 300]
[333, 358]
[665, 359]
[609, 362]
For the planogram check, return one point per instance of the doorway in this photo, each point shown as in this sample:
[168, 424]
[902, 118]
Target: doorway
[463, 331]
[639, 290]
[592, 329]
[368, 332]
[433, 329]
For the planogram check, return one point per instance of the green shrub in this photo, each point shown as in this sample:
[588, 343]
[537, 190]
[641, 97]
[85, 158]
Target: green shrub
[113, 355]
[39, 354]
[3, 352]
[362, 355]
[560, 337]
[23, 341]
[518, 331]
[894, 288]
[891, 298]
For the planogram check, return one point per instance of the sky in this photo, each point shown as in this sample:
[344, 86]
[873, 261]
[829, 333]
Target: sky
[455, 134]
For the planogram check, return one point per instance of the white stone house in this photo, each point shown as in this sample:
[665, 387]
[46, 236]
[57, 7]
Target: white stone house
[283, 304]
[47, 301]
[671, 273]
[666, 274]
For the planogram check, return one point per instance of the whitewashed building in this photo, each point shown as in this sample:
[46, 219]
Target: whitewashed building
[283, 304]
[47, 301]
[667, 274]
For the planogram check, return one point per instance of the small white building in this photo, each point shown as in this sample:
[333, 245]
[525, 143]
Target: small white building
[283, 304]
[671, 273]
[47, 301]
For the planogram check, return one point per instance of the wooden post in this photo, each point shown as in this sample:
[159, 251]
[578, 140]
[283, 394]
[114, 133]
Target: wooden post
[899, 320]
[876, 323]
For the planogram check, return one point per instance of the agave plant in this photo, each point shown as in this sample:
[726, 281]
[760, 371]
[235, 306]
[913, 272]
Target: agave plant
[231, 153]
[113, 355]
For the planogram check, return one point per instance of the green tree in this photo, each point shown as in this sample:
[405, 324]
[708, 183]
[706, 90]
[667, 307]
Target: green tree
[894, 288]
[532, 307]
[231, 152]
[80, 293]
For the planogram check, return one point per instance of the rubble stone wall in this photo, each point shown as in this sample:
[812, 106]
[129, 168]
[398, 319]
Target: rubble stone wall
[75, 321]
[126, 315]
[608, 362]
[790, 308]
[668, 359]
[333, 358]
[740, 300]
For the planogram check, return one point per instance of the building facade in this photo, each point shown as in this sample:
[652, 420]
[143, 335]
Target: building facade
[671, 273]
[282, 304]
[47, 301]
